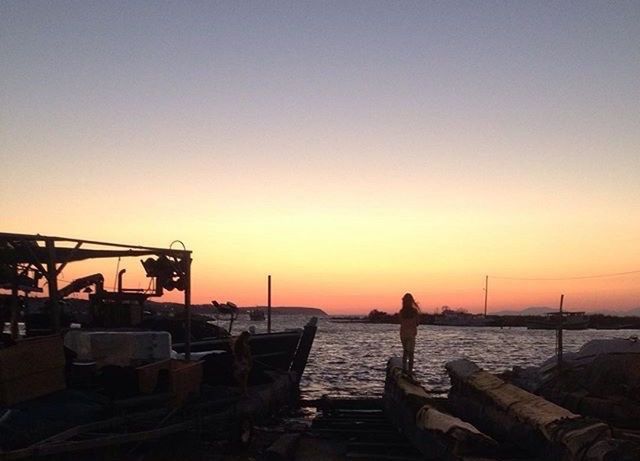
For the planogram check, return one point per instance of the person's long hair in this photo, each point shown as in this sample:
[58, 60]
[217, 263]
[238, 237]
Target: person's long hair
[410, 307]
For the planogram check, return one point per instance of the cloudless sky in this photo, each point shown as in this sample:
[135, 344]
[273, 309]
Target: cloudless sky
[353, 150]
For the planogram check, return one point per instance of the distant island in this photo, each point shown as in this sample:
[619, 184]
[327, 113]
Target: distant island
[208, 308]
[316, 311]
[543, 310]
[533, 310]
[524, 318]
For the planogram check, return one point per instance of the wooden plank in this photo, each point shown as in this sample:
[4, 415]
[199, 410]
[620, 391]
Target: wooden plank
[322, 423]
[372, 456]
[152, 399]
[111, 440]
[404, 445]
[372, 433]
[354, 418]
[103, 424]
[367, 403]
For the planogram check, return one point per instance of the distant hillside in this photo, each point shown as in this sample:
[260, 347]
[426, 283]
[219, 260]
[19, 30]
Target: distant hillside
[205, 308]
[293, 310]
[534, 310]
[635, 312]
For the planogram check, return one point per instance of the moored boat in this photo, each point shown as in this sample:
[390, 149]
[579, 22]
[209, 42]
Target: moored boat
[556, 320]
[257, 315]
[151, 401]
[601, 379]
[529, 424]
[460, 318]
[118, 384]
[270, 352]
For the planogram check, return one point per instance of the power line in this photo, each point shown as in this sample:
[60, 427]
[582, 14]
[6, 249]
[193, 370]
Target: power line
[617, 274]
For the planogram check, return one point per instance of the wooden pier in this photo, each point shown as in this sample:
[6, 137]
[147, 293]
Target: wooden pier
[354, 429]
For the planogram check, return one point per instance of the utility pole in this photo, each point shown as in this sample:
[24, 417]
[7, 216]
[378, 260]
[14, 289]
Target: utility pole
[269, 304]
[486, 293]
[559, 334]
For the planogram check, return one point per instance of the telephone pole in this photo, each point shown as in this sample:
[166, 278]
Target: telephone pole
[269, 304]
[486, 293]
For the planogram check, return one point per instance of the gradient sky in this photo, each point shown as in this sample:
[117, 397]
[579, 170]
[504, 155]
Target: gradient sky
[353, 150]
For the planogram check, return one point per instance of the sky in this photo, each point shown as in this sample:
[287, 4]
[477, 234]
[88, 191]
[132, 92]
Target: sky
[355, 151]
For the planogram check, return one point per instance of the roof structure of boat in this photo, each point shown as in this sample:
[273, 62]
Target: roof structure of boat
[36, 256]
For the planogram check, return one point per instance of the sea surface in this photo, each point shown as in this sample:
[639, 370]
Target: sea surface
[349, 359]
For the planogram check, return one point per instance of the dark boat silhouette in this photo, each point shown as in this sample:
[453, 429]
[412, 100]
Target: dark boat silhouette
[55, 399]
[257, 315]
[553, 321]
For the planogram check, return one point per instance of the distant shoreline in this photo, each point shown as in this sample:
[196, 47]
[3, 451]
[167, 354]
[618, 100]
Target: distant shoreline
[595, 321]
[209, 309]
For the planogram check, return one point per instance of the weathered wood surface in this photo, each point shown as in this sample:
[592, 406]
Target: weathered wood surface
[436, 434]
[529, 423]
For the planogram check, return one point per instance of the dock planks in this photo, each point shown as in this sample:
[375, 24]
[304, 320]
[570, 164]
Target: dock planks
[359, 429]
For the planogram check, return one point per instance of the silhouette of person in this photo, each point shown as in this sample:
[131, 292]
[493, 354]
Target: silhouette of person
[242, 360]
[409, 321]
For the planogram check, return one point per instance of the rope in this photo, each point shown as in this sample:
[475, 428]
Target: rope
[617, 274]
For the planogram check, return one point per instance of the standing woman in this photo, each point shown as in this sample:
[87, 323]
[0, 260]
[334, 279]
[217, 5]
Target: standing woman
[409, 321]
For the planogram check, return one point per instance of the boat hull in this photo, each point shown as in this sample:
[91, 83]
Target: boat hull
[527, 424]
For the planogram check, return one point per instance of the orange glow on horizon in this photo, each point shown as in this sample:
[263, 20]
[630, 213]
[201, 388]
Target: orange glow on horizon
[354, 289]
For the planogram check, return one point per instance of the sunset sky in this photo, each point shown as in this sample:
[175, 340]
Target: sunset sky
[353, 150]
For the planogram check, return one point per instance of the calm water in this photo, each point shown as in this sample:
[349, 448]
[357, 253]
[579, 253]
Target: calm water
[349, 359]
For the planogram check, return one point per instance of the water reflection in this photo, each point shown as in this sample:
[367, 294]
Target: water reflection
[350, 358]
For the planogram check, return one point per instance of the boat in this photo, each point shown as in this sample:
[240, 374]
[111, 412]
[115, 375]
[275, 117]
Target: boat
[256, 315]
[270, 352]
[528, 425]
[598, 380]
[123, 425]
[121, 383]
[556, 320]
[461, 318]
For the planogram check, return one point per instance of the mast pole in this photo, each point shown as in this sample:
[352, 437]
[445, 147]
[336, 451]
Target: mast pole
[269, 304]
[187, 305]
[52, 281]
[14, 305]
